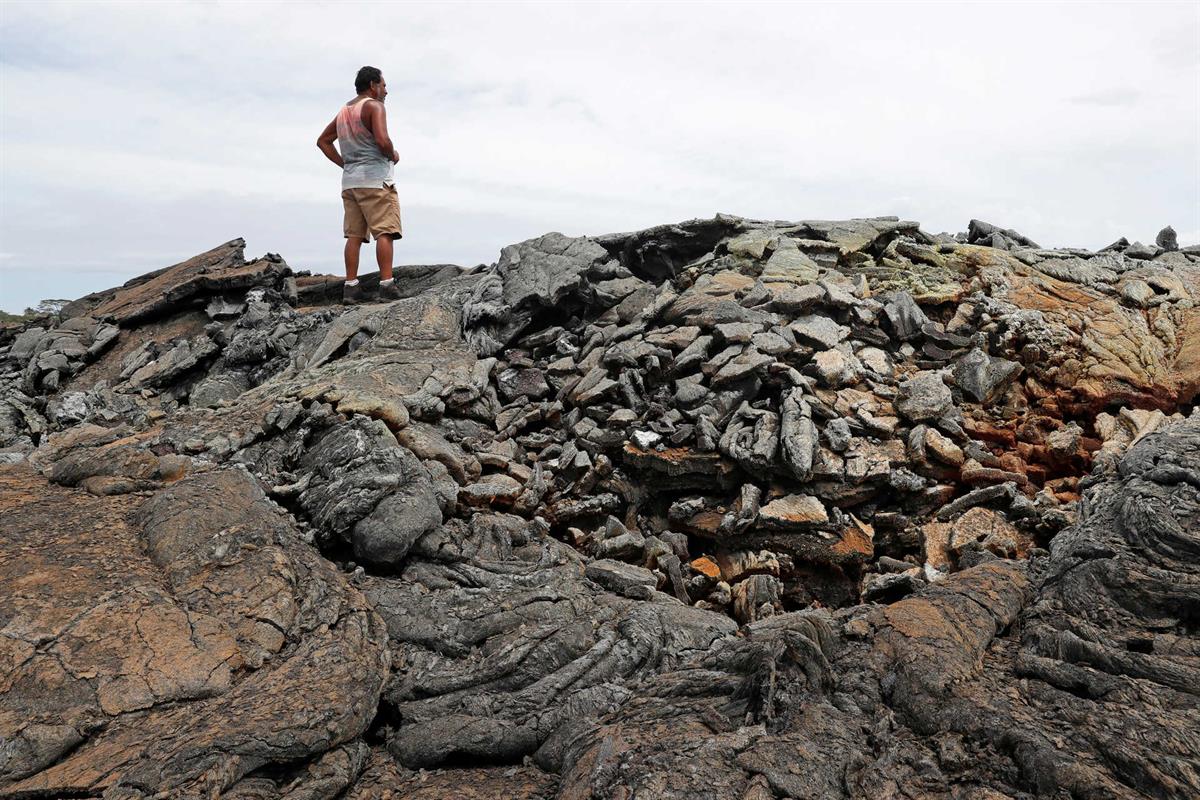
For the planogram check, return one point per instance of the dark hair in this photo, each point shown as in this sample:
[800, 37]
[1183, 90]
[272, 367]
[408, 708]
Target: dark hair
[366, 76]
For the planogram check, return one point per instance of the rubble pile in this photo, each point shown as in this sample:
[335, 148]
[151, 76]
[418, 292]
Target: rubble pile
[733, 507]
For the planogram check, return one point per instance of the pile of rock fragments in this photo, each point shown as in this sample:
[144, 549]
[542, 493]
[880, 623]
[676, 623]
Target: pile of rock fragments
[729, 508]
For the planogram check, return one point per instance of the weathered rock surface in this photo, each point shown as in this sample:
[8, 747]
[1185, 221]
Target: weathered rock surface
[174, 647]
[729, 508]
[222, 269]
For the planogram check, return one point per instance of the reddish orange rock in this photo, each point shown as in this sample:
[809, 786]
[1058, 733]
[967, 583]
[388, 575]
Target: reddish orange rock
[793, 511]
[992, 531]
[857, 540]
[975, 474]
[989, 432]
[706, 566]
[1013, 463]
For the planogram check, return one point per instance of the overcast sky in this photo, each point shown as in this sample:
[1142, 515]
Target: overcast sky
[136, 135]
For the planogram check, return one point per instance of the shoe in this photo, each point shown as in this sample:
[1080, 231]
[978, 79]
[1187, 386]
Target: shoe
[389, 292]
[352, 295]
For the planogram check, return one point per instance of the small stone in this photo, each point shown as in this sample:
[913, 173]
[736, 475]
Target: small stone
[53, 361]
[1137, 292]
[714, 365]
[819, 331]
[889, 588]
[617, 576]
[837, 295]
[904, 317]
[877, 361]
[624, 546]
[752, 244]
[830, 365]
[72, 408]
[645, 439]
[796, 299]
[1065, 442]
[942, 448]
[602, 388]
[857, 628]
[905, 480]
[738, 332]
[789, 265]
[690, 394]
[740, 367]
[755, 296]
[382, 407]
[26, 344]
[985, 528]
[1141, 251]
[706, 566]
[673, 338]
[837, 434]
[756, 597]
[562, 366]
[491, 490]
[771, 343]
[793, 511]
[741, 564]
[1167, 239]
[924, 397]
[622, 416]
[975, 474]
[983, 377]
[514, 383]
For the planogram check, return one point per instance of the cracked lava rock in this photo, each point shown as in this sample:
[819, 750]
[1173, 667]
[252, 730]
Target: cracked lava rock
[728, 508]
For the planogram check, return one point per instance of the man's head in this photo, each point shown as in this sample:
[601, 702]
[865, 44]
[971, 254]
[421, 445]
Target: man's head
[370, 81]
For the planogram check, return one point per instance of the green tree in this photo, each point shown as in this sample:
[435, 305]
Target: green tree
[47, 307]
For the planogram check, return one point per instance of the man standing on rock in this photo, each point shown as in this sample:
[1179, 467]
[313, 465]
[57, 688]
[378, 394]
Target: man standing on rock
[368, 188]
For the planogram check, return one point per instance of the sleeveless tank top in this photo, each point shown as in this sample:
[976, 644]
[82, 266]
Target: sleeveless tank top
[366, 167]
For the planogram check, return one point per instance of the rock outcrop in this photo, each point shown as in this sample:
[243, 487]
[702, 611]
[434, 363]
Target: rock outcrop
[729, 509]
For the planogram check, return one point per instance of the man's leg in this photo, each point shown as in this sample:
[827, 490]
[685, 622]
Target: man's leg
[354, 226]
[353, 245]
[383, 256]
[351, 291]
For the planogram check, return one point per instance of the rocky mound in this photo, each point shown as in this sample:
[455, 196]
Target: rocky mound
[729, 509]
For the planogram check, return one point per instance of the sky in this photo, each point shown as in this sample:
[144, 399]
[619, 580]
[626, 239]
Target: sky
[135, 135]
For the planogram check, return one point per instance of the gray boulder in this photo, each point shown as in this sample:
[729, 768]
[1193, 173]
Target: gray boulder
[982, 377]
[1142, 252]
[904, 318]
[619, 577]
[819, 331]
[1167, 239]
[369, 490]
[980, 232]
[924, 397]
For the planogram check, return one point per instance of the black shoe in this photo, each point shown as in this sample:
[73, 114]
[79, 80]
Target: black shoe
[351, 295]
[389, 292]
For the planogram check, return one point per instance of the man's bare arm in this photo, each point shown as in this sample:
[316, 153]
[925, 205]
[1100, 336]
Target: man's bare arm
[325, 142]
[377, 118]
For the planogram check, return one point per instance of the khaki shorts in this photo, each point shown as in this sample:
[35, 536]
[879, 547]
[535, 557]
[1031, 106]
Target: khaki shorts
[371, 213]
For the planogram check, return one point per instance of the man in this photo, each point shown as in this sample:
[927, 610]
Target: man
[368, 189]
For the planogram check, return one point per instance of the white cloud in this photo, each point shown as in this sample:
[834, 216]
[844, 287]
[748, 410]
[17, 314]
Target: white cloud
[132, 130]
